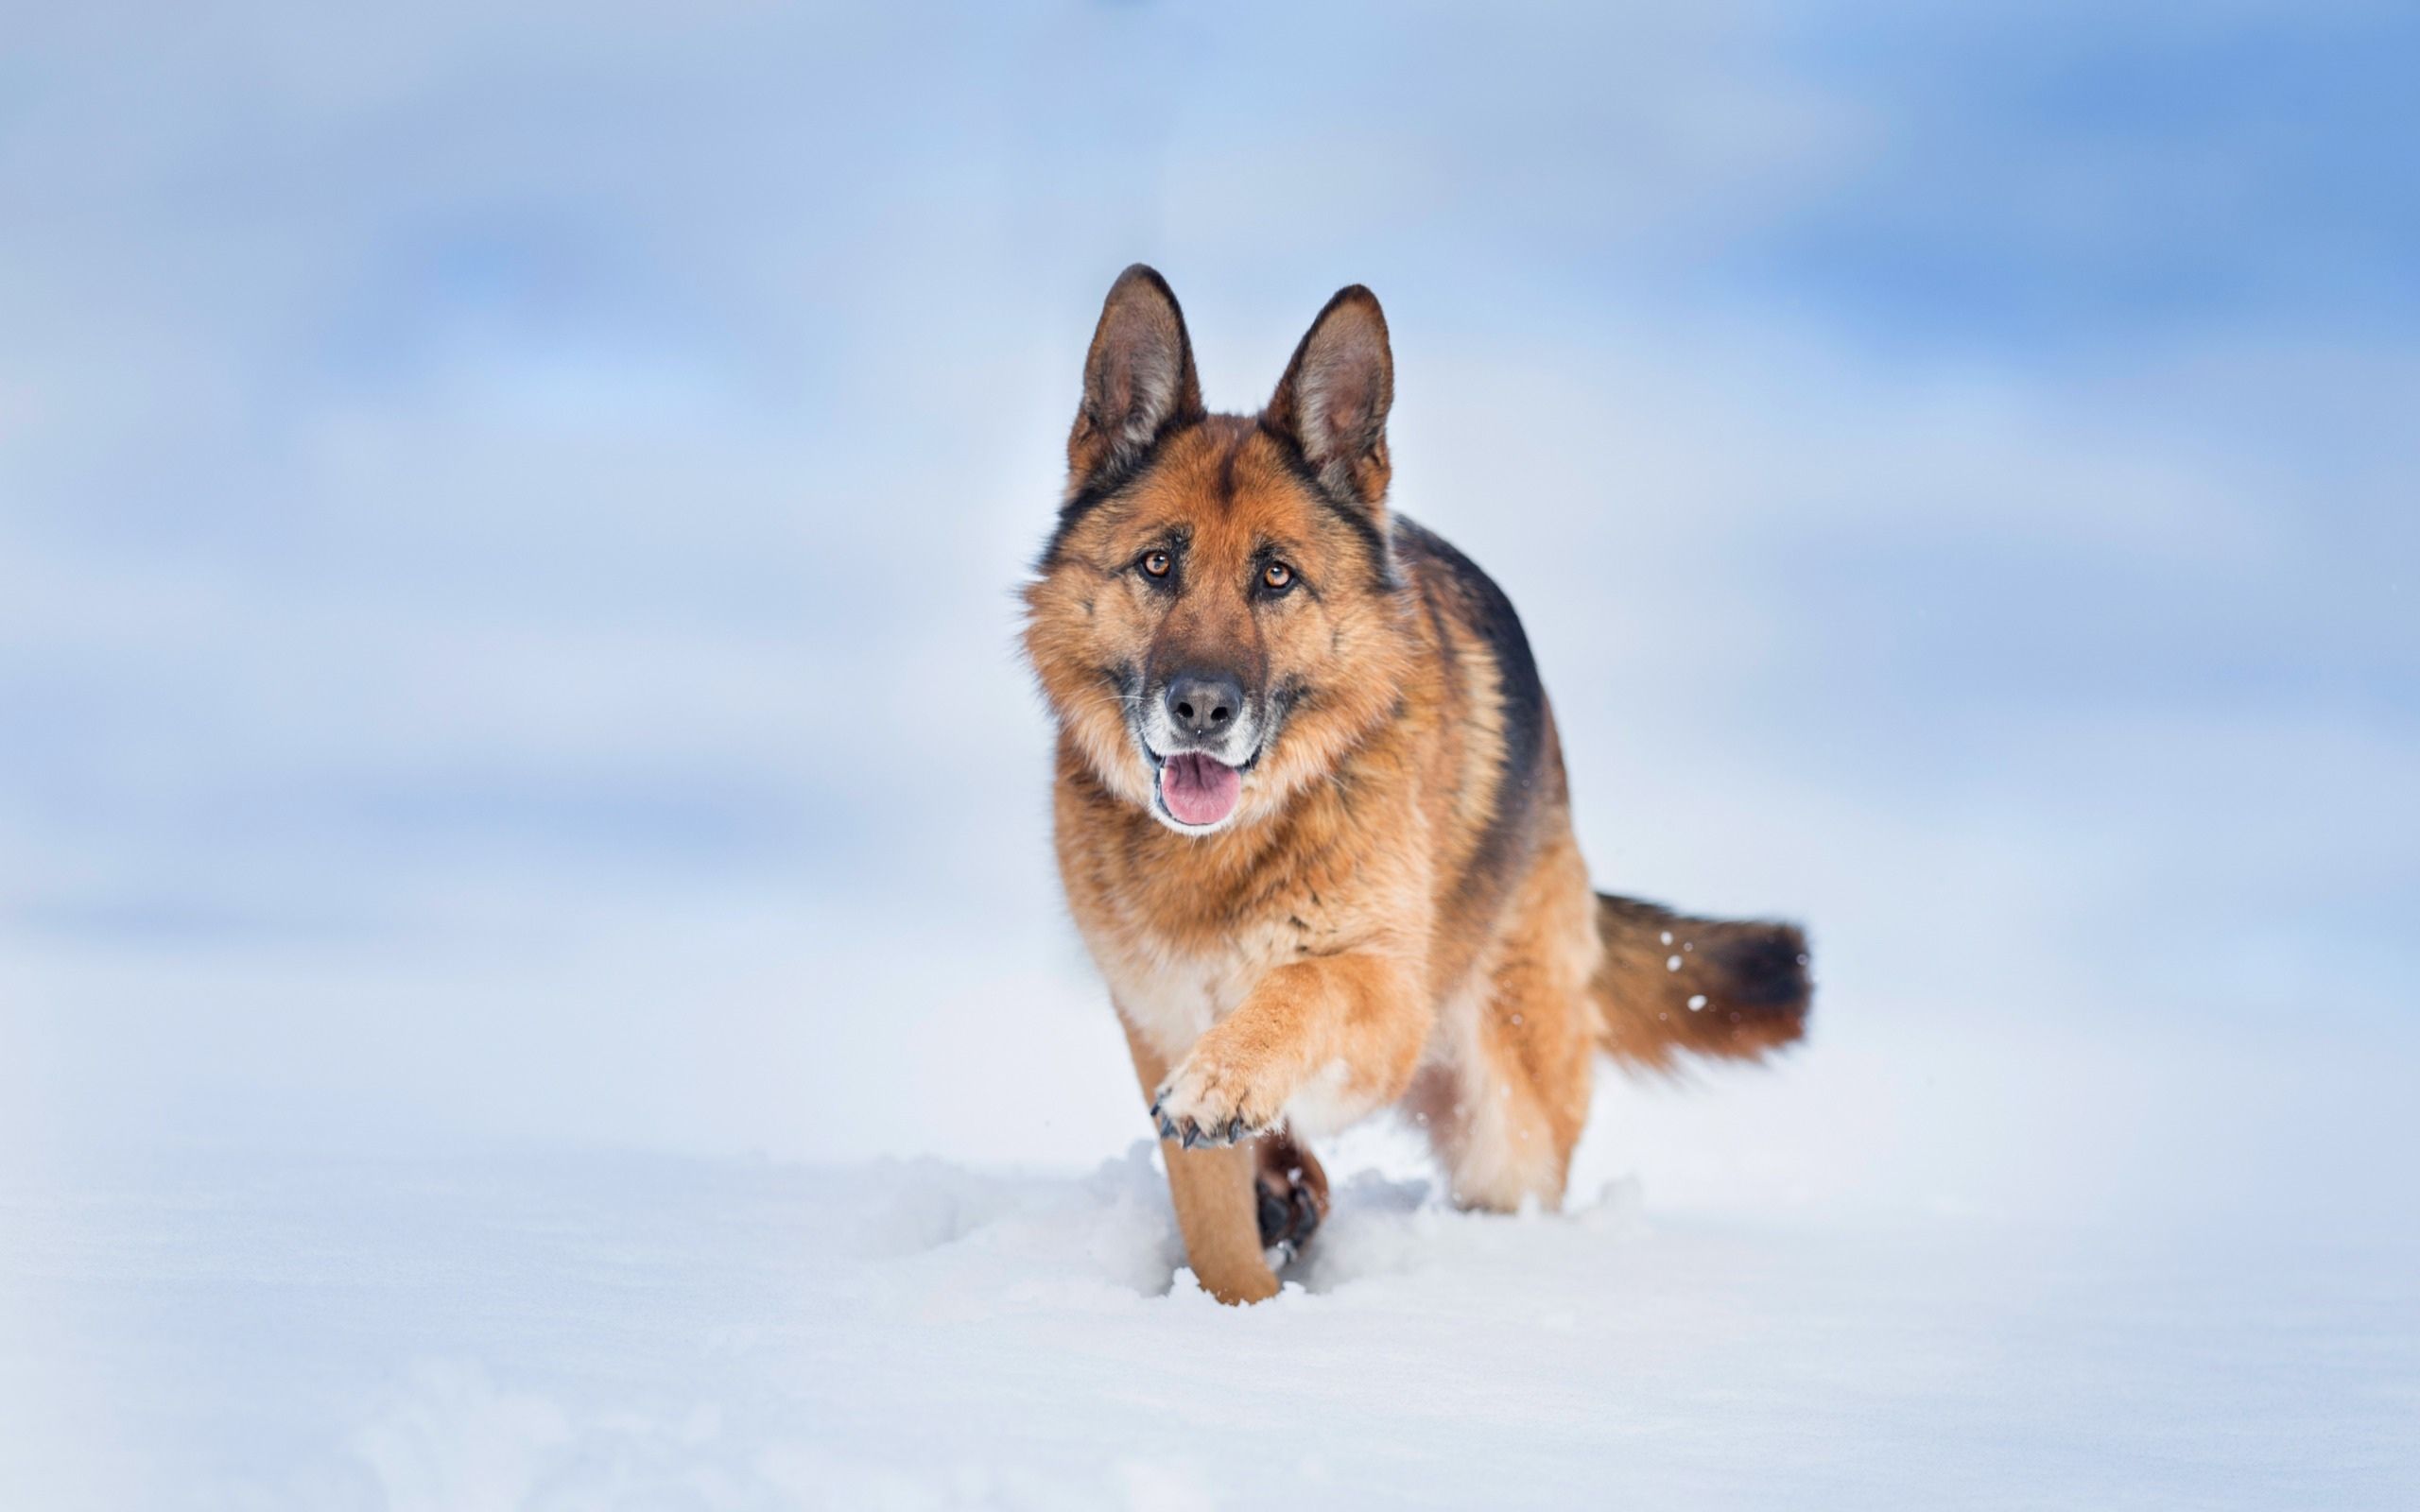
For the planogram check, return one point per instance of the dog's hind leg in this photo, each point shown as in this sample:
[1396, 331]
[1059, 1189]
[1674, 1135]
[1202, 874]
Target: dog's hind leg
[1506, 1100]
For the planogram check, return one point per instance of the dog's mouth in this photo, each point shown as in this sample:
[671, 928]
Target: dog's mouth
[1198, 790]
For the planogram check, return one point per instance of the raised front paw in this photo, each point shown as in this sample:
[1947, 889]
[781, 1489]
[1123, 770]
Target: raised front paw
[1208, 1100]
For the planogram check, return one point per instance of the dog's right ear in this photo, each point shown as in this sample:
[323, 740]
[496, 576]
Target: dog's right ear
[1138, 379]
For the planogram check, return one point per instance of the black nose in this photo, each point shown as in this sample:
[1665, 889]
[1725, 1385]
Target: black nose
[1204, 703]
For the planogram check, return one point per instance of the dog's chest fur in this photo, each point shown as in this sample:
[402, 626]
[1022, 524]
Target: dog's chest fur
[1171, 994]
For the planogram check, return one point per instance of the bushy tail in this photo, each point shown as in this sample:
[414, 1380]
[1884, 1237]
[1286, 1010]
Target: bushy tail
[1705, 986]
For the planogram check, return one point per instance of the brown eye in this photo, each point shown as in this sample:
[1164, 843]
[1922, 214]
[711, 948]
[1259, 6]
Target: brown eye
[1156, 564]
[1277, 575]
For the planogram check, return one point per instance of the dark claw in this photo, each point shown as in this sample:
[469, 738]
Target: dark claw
[1272, 1219]
[1306, 1218]
[1192, 1134]
[1168, 1127]
[1235, 1128]
[1288, 1215]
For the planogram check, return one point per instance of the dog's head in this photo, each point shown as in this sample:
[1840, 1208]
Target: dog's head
[1216, 621]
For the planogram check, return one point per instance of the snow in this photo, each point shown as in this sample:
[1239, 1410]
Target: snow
[619, 1329]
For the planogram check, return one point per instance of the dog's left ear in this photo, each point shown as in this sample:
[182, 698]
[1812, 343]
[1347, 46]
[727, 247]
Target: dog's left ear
[1138, 378]
[1334, 398]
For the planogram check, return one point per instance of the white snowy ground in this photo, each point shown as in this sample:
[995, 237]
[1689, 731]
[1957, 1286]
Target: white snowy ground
[1745, 1307]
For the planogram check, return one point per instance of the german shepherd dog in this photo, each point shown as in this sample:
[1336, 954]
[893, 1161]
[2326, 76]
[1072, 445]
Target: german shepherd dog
[1310, 808]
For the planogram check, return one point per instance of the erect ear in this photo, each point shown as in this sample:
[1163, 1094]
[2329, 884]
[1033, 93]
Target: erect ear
[1334, 398]
[1138, 377]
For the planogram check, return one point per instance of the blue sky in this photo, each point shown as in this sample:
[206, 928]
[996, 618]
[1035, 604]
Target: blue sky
[2078, 182]
[508, 519]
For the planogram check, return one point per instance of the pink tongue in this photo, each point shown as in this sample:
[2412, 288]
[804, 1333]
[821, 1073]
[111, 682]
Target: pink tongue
[1198, 790]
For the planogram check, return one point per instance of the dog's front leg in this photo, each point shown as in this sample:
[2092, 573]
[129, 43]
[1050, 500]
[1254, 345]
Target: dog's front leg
[1345, 1029]
[1216, 1200]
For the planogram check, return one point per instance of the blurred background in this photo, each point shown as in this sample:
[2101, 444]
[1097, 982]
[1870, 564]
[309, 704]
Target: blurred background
[510, 519]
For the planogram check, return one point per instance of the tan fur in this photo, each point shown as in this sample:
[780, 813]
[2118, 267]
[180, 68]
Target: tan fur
[1212, 1189]
[1397, 911]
